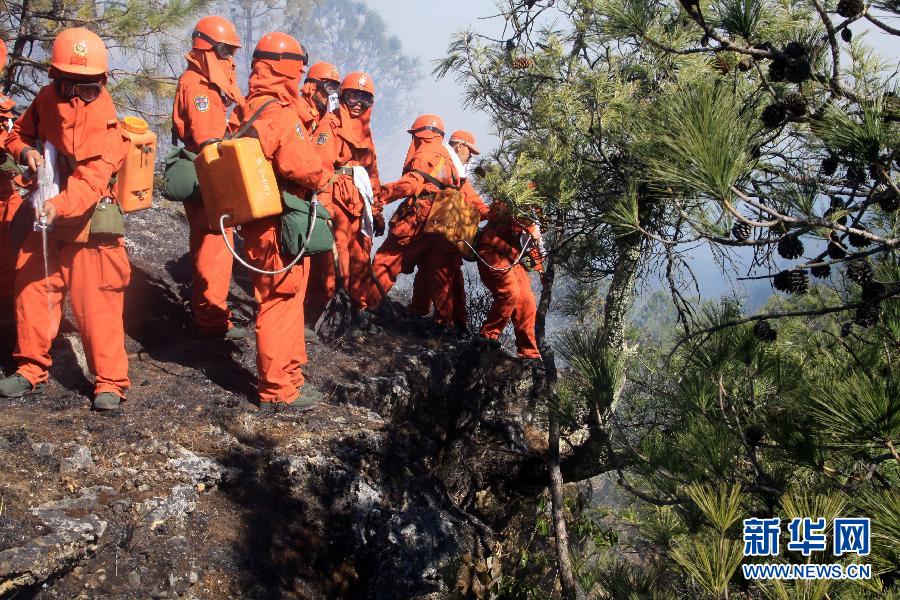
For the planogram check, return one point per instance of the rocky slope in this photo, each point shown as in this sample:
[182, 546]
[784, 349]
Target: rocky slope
[399, 486]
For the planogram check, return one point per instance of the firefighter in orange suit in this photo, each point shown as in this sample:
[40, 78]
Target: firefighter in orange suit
[278, 63]
[74, 118]
[344, 141]
[10, 200]
[500, 244]
[463, 143]
[205, 91]
[319, 94]
[429, 168]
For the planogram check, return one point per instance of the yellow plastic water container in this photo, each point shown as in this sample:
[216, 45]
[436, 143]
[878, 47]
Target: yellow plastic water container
[134, 189]
[237, 180]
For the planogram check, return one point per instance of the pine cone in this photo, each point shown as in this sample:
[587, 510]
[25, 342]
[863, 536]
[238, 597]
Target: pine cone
[522, 62]
[721, 65]
[821, 271]
[836, 249]
[774, 115]
[859, 270]
[794, 281]
[777, 70]
[796, 50]
[745, 65]
[866, 315]
[855, 174]
[741, 231]
[790, 247]
[846, 35]
[858, 241]
[849, 8]
[891, 110]
[796, 106]
[798, 70]
[763, 330]
[830, 165]
[888, 200]
[872, 291]
[846, 329]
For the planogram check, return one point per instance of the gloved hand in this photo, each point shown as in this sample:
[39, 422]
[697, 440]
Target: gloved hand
[378, 222]
[528, 262]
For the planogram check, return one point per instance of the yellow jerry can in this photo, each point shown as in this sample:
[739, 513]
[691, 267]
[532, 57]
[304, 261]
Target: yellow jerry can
[134, 185]
[237, 181]
[454, 219]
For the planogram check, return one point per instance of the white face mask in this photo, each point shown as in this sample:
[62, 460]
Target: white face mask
[333, 102]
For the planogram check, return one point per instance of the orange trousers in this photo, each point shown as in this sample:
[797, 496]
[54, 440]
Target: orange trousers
[400, 255]
[280, 343]
[513, 301]
[421, 302]
[9, 204]
[95, 275]
[354, 250]
[211, 262]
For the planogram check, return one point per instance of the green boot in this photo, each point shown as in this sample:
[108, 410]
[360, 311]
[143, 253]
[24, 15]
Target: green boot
[15, 386]
[106, 401]
[309, 397]
[237, 333]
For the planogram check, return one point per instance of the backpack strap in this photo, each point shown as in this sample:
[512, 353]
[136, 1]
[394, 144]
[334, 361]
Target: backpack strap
[246, 126]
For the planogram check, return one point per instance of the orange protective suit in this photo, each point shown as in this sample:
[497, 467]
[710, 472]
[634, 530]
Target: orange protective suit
[10, 201]
[204, 92]
[421, 298]
[343, 141]
[499, 245]
[406, 245]
[94, 270]
[280, 343]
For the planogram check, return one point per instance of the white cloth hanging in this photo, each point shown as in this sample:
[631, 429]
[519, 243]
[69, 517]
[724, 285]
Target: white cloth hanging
[457, 163]
[47, 179]
[364, 185]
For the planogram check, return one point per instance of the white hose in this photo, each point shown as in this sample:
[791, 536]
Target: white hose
[500, 269]
[313, 211]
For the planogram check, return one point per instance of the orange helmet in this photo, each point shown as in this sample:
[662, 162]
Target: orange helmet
[3, 54]
[283, 53]
[323, 71]
[427, 123]
[357, 80]
[213, 31]
[79, 51]
[464, 137]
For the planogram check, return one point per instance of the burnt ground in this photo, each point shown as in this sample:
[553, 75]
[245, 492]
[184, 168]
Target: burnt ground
[393, 488]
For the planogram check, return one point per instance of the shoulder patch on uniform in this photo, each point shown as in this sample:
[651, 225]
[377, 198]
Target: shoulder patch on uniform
[299, 129]
[201, 103]
[322, 139]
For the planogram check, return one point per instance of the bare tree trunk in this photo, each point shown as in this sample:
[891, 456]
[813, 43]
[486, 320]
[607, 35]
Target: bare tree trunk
[570, 586]
[593, 455]
[18, 47]
[621, 292]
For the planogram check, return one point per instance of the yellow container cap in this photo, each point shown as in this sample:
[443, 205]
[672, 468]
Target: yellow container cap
[135, 124]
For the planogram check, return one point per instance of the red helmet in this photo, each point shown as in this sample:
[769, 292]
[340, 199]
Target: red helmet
[357, 80]
[323, 71]
[79, 51]
[3, 54]
[464, 137]
[427, 123]
[283, 53]
[213, 30]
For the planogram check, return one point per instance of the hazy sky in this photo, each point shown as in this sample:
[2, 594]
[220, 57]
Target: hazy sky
[425, 28]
